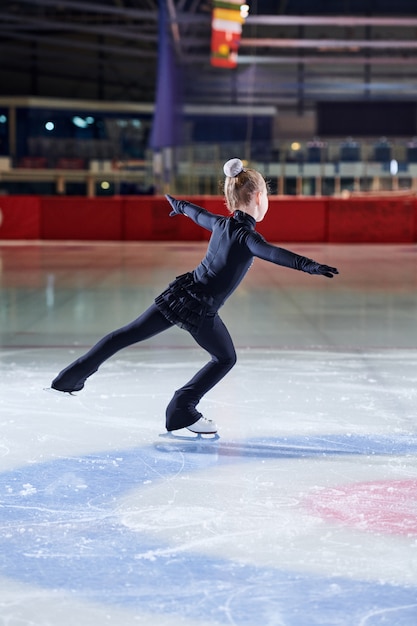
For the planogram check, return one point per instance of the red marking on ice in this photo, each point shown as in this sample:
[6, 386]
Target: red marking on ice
[388, 506]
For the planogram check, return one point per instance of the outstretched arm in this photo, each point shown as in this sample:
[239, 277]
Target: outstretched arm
[264, 250]
[199, 215]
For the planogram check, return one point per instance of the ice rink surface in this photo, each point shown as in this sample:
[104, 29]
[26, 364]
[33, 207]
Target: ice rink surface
[302, 512]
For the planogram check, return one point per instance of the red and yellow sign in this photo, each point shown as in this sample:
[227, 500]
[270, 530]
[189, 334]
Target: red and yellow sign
[226, 30]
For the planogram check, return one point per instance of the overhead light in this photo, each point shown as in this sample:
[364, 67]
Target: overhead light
[244, 11]
[82, 122]
[393, 167]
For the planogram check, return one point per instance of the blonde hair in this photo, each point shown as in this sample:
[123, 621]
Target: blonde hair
[240, 184]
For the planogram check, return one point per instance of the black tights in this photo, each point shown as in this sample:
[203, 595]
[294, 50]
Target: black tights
[212, 336]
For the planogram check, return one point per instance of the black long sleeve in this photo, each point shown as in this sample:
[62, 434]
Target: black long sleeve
[231, 249]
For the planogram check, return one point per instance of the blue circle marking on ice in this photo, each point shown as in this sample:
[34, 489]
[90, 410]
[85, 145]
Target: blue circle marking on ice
[60, 530]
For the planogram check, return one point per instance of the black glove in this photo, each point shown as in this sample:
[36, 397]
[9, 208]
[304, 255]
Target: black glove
[177, 205]
[311, 267]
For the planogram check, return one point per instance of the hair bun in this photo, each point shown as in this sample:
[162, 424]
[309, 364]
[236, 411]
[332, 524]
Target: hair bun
[233, 167]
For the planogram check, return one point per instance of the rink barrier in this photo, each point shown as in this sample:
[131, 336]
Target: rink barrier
[146, 218]
[372, 220]
[20, 217]
[81, 218]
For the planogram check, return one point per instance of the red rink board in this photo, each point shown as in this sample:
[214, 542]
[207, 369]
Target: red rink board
[20, 217]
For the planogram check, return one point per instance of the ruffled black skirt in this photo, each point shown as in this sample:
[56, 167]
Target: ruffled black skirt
[185, 303]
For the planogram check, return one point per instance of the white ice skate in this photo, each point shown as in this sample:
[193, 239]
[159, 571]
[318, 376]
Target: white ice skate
[203, 426]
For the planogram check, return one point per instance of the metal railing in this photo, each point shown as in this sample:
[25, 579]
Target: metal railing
[310, 168]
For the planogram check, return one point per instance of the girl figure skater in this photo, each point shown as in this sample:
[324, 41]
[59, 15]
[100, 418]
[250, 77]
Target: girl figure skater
[192, 300]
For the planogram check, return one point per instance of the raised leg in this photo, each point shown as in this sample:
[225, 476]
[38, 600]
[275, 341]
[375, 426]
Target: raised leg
[73, 377]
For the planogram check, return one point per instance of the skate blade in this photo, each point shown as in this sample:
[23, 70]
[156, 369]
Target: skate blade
[194, 437]
[57, 392]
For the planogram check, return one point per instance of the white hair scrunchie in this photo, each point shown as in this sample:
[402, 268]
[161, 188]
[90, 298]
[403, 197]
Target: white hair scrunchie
[233, 167]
